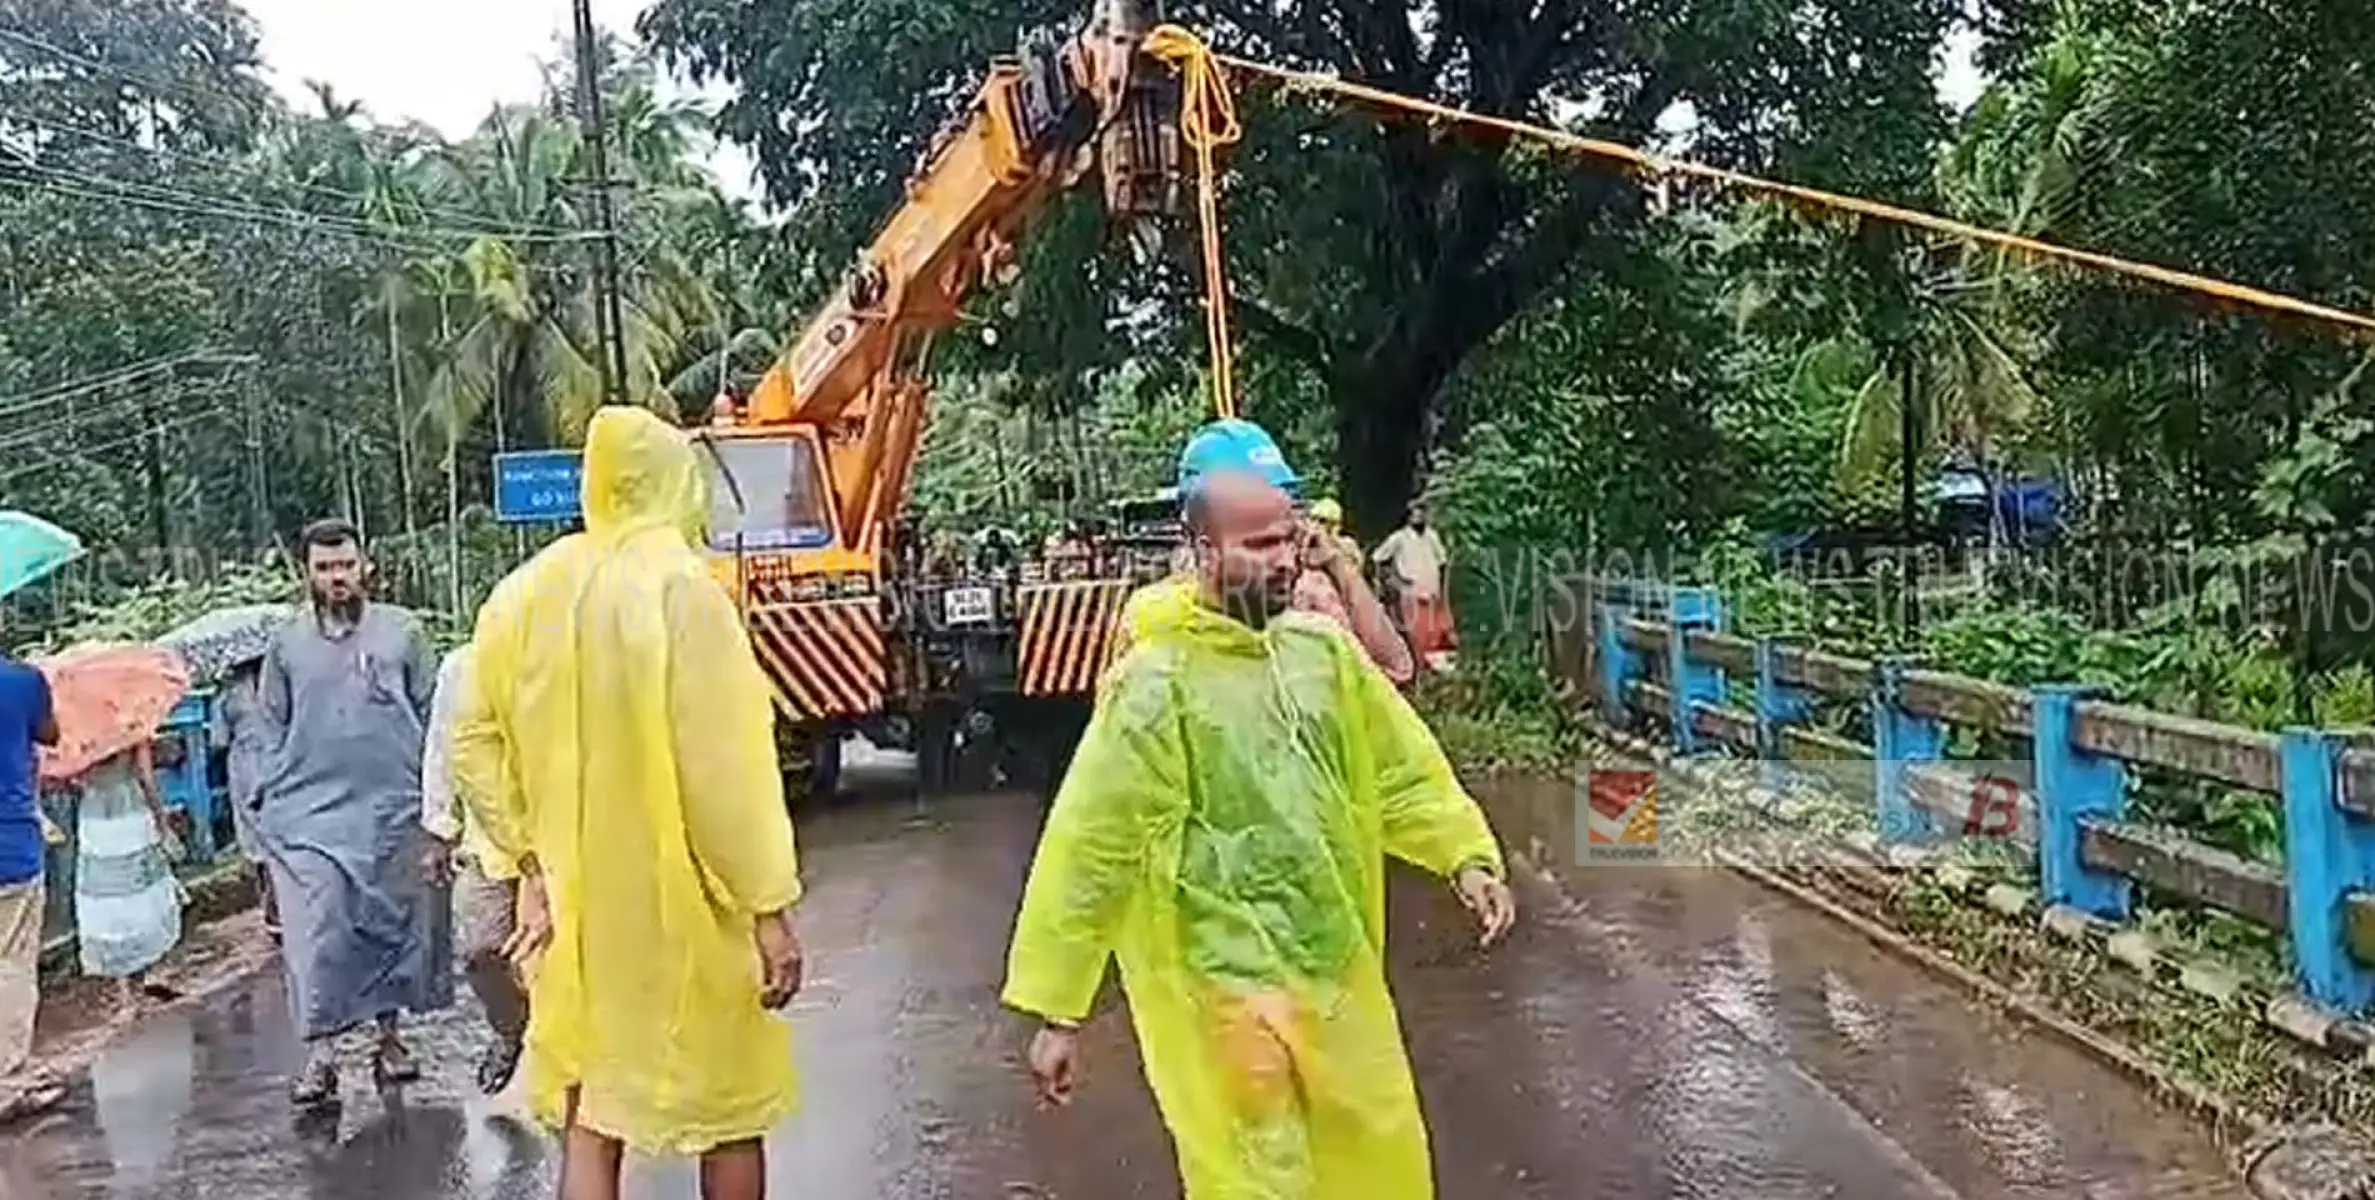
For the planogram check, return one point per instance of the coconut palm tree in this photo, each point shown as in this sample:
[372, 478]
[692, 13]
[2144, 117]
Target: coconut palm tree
[2022, 164]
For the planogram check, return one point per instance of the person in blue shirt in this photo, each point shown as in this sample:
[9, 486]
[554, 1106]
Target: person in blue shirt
[25, 722]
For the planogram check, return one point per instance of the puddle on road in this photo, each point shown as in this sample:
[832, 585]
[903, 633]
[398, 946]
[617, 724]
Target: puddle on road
[1986, 1106]
[1665, 1034]
[140, 1091]
[1854, 1017]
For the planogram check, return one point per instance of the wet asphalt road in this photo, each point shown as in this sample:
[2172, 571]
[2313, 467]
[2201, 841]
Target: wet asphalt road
[1654, 1034]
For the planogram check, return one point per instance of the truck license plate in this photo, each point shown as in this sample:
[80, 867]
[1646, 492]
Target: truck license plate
[966, 605]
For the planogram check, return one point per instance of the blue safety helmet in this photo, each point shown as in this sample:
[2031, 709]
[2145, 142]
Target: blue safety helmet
[1235, 445]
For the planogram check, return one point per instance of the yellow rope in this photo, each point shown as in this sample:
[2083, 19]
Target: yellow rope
[1657, 164]
[1207, 121]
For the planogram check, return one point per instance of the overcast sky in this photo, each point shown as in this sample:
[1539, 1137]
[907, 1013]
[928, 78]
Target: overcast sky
[441, 62]
[446, 62]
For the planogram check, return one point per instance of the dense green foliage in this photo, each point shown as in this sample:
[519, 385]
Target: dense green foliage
[219, 316]
[222, 317]
[1370, 261]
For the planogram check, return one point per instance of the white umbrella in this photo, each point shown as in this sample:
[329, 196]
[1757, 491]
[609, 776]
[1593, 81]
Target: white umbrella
[225, 639]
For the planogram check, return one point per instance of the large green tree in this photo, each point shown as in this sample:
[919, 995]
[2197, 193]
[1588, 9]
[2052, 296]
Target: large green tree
[221, 316]
[1377, 258]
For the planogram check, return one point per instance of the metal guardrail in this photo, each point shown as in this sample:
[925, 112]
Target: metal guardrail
[1623, 653]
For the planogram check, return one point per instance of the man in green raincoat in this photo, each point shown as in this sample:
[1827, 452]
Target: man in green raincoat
[1223, 834]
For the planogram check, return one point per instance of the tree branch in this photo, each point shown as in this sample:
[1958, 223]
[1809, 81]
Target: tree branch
[1564, 228]
[1471, 290]
[1183, 284]
[1384, 27]
[1305, 344]
[1557, 246]
[1308, 39]
[1413, 174]
[1560, 28]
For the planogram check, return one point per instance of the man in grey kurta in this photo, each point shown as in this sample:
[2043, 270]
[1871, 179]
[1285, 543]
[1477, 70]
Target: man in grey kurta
[364, 928]
[238, 729]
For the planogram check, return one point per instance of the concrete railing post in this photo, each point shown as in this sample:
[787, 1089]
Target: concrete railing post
[1900, 739]
[2073, 786]
[1779, 706]
[2328, 854]
[1619, 665]
[1691, 610]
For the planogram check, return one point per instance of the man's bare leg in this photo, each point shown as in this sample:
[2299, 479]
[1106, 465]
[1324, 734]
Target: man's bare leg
[735, 1171]
[393, 1059]
[316, 1083]
[590, 1163]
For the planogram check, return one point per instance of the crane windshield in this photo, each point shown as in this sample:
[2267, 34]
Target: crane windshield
[781, 494]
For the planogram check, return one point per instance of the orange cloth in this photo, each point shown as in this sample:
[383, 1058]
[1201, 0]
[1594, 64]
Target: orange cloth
[1428, 621]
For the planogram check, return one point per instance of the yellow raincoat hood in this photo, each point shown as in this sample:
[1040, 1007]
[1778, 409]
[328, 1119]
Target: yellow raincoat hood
[1175, 604]
[621, 731]
[1222, 833]
[641, 473]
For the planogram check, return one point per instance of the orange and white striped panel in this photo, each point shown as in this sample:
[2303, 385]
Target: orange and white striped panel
[1067, 635]
[825, 657]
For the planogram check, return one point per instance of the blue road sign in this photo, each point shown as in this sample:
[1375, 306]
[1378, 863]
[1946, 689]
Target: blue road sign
[537, 486]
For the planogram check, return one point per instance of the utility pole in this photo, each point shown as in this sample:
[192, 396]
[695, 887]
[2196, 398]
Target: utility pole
[1909, 437]
[259, 500]
[596, 132]
[725, 323]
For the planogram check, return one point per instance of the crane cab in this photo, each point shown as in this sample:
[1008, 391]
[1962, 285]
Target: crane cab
[810, 602]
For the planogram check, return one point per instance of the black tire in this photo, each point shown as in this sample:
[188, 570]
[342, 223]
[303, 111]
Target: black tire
[1066, 722]
[936, 750]
[810, 760]
[824, 766]
[792, 761]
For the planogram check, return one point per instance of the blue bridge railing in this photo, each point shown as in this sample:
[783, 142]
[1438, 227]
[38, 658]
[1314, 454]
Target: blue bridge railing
[1650, 655]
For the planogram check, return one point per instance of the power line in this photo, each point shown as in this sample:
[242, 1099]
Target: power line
[121, 72]
[528, 231]
[231, 206]
[459, 216]
[85, 453]
[24, 435]
[112, 376]
[36, 422]
[139, 201]
[34, 426]
[391, 239]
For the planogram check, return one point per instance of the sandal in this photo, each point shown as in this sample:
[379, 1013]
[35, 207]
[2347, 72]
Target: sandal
[316, 1086]
[393, 1063]
[496, 1067]
[34, 1097]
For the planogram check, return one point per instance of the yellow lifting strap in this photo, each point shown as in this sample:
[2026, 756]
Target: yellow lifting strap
[1207, 121]
[1647, 163]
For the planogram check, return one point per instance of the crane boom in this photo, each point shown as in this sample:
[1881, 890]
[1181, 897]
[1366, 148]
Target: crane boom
[812, 469]
[1041, 120]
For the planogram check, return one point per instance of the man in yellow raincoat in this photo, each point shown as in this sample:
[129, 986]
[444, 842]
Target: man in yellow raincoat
[617, 745]
[1329, 584]
[1223, 833]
